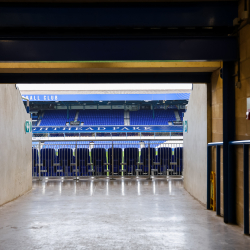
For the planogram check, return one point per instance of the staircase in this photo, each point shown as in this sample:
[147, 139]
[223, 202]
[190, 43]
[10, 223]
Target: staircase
[40, 119]
[76, 117]
[177, 116]
[126, 118]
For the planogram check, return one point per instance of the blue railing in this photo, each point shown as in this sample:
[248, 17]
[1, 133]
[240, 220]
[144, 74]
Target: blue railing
[245, 177]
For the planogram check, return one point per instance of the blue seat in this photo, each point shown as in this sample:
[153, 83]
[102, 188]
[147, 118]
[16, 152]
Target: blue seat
[65, 158]
[117, 160]
[35, 162]
[98, 156]
[164, 157]
[82, 161]
[131, 159]
[178, 154]
[147, 161]
[47, 162]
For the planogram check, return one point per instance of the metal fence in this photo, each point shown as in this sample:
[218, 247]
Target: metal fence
[127, 135]
[84, 159]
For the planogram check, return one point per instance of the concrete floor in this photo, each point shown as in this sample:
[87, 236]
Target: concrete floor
[103, 214]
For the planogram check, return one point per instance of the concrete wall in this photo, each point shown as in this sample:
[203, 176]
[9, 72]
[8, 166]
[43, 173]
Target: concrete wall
[217, 123]
[15, 145]
[242, 126]
[195, 143]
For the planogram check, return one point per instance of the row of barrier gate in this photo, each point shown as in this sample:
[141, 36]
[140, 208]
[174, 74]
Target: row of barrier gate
[109, 158]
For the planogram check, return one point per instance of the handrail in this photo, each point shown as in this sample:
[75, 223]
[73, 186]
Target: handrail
[214, 144]
[245, 145]
[246, 142]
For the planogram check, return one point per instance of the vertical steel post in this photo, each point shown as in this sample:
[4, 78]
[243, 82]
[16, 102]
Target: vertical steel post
[148, 159]
[229, 182]
[76, 162]
[113, 161]
[246, 187]
[218, 180]
[39, 168]
[208, 175]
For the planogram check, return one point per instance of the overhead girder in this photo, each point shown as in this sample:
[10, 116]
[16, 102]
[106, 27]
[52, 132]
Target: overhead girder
[118, 15]
[119, 49]
[105, 78]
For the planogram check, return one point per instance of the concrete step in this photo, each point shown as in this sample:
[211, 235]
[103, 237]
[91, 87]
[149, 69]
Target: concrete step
[126, 118]
[177, 116]
[77, 114]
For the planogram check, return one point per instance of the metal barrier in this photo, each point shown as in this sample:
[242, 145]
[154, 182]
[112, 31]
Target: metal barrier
[209, 146]
[245, 145]
[85, 159]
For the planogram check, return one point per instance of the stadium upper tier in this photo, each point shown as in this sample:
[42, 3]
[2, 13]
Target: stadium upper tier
[152, 117]
[57, 117]
[110, 117]
[101, 117]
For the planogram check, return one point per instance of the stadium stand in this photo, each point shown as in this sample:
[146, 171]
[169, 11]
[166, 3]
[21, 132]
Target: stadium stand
[178, 156]
[110, 117]
[95, 158]
[101, 117]
[148, 117]
[117, 152]
[83, 161]
[57, 117]
[130, 159]
[181, 111]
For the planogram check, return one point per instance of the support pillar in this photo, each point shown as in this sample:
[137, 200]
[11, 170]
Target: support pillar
[229, 184]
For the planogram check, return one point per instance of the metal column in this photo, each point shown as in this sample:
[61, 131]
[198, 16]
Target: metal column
[229, 185]
[246, 187]
[39, 167]
[208, 175]
[76, 169]
[112, 178]
[148, 159]
[218, 180]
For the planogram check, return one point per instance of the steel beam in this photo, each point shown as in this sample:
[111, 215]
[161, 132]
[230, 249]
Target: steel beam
[229, 182]
[106, 78]
[120, 49]
[110, 67]
[121, 15]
